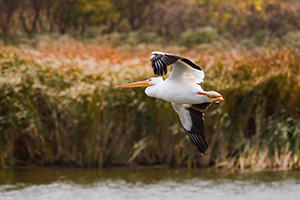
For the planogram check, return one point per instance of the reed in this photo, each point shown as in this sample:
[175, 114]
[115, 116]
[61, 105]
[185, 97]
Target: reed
[59, 107]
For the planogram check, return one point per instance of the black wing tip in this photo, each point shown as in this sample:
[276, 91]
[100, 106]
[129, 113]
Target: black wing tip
[203, 153]
[190, 63]
[161, 60]
[197, 132]
[200, 143]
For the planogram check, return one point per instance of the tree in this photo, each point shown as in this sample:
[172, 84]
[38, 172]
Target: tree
[7, 10]
[29, 13]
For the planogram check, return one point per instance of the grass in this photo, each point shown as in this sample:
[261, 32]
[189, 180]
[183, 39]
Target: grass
[59, 106]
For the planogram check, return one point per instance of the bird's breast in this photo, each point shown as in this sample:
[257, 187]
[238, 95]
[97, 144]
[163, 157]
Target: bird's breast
[176, 93]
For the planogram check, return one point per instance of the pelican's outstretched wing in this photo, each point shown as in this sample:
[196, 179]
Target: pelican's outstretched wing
[192, 119]
[183, 69]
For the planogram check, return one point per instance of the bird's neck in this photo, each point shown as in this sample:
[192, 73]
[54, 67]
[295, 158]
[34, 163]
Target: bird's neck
[154, 90]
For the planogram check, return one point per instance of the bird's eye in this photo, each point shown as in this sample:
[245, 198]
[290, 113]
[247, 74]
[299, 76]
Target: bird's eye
[149, 80]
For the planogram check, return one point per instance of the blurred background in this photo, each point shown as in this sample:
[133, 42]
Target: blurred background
[60, 61]
[66, 132]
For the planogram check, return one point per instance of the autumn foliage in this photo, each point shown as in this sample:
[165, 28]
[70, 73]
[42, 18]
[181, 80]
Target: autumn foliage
[59, 106]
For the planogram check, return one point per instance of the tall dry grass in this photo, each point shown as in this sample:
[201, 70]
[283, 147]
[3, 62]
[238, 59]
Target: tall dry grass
[59, 107]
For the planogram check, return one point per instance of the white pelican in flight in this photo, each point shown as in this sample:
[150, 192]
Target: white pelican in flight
[183, 90]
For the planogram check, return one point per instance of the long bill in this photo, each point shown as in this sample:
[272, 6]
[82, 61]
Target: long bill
[136, 84]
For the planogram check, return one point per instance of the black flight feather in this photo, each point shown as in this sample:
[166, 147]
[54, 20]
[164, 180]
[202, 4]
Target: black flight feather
[160, 61]
[197, 132]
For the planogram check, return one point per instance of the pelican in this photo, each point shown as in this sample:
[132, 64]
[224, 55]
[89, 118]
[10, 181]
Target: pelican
[183, 90]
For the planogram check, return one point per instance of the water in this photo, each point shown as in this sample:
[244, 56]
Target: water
[123, 184]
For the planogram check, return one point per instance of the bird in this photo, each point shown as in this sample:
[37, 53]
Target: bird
[183, 90]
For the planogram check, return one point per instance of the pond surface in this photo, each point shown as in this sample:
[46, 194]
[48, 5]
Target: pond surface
[120, 183]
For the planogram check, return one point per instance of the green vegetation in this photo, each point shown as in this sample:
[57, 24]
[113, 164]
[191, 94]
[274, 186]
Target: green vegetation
[59, 105]
[172, 20]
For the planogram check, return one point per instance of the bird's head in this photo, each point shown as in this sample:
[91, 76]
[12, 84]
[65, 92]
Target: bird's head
[213, 96]
[146, 83]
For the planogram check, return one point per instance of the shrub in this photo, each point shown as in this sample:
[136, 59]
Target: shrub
[199, 36]
[292, 39]
[135, 38]
[59, 107]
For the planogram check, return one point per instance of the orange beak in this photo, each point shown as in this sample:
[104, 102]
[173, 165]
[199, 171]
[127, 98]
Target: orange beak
[136, 84]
